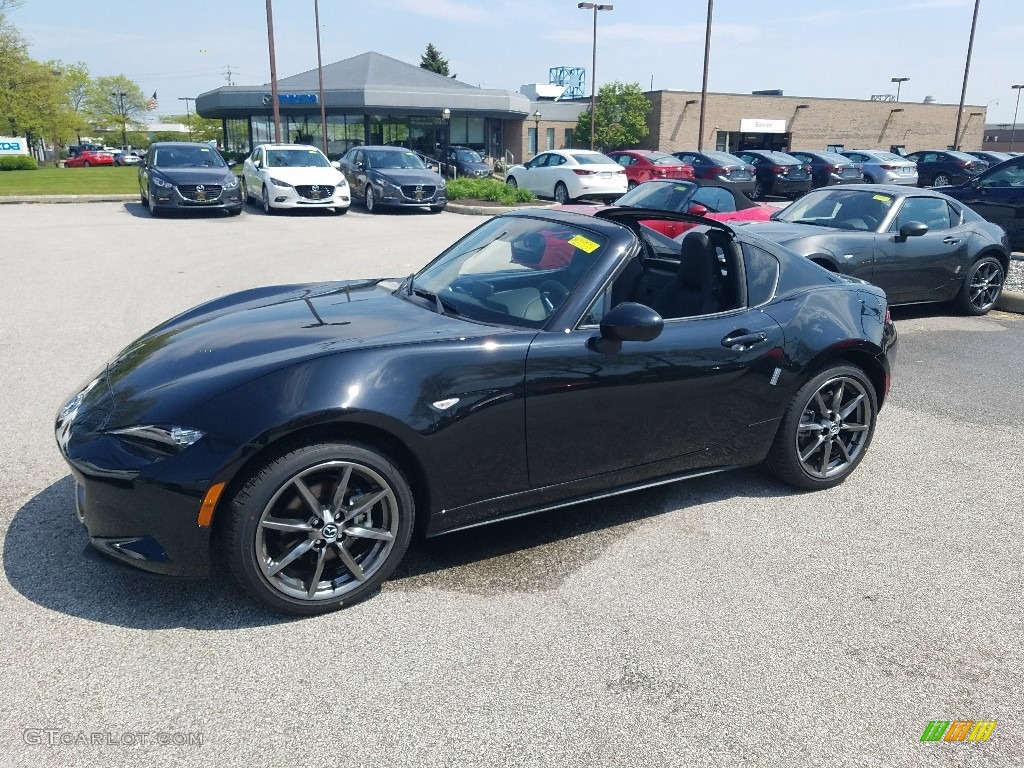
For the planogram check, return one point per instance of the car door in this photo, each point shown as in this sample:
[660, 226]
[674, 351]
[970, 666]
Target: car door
[924, 268]
[651, 407]
[535, 175]
[353, 165]
[251, 171]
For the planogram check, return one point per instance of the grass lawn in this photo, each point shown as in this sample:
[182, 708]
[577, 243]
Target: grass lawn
[105, 180]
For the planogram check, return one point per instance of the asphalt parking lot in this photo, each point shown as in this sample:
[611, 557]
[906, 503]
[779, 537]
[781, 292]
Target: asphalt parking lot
[721, 622]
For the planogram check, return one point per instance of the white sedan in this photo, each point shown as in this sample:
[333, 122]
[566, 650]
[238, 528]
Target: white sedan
[294, 176]
[568, 174]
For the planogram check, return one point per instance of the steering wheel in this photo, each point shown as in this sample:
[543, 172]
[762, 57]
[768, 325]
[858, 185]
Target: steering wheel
[552, 294]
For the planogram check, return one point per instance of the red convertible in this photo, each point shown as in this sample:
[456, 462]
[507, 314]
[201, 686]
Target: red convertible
[702, 198]
[88, 157]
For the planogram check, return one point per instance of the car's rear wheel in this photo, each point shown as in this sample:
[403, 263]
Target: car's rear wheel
[319, 527]
[982, 287]
[630, 185]
[371, 200]
[511, 181]
[941, 180]
[758, 192]
[826, 430]
[868, 179]
[561, 194]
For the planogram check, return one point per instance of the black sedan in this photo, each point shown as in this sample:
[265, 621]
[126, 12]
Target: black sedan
[917, 245]
[178, 175]
[712, 165]
[940, 168]
[776, 173]
[998, 196]
[392, 177]
[547, 358]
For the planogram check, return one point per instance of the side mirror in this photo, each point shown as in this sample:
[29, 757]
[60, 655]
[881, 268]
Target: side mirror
[697, 209]
[626, 322]
[911, 229]
[335, 165]
[232, 163]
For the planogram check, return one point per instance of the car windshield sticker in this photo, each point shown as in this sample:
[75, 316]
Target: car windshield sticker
[584, 244]
[883, 199]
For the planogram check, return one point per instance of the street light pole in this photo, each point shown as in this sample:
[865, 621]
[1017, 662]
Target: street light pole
[188, 114]
[967, 69]
[536, 132]
[593, 63]
[1013, 128]
[704, 82]
[899, 81]
[273, 74]
[320, 74]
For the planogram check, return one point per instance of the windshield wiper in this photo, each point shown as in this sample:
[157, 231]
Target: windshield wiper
[441, 304]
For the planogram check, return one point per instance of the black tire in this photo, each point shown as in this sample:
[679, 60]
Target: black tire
[868, 179]
[142, 197]
[370, 200]
[154, 209]
[817, 446]
[235, 211]
[86, 164]
[630, 185]
[245, 191]
[265, 200]
[511, 181]
[436, 208]
[339, 211]
[319, 527]
[941, 180]
[758, 192]
[982, 287]
[562, 194]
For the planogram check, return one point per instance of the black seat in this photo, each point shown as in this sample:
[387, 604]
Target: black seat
[692, 291]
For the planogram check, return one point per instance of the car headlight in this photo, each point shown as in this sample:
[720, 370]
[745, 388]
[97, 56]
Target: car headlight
[159, 439]
[160, 182]
[279, 183]
[232, 183]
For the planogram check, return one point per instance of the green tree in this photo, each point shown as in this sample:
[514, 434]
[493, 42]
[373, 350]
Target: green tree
[620, 120]
[433, 61]
[202, 128]
[74, 82]
[116, 101]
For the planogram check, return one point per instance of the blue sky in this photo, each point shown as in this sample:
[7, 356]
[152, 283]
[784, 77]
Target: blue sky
[840, 48]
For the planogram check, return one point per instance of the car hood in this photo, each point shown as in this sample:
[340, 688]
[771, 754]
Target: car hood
[219, 345]
[402, 176]
[195, 175]
[307, 175]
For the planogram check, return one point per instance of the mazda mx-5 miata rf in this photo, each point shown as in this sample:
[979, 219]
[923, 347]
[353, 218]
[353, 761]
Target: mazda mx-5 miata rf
[546, 358]
[918, 245]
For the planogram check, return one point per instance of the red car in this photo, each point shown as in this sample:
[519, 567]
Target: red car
[722, 202]
[644, 165]
[88, 157]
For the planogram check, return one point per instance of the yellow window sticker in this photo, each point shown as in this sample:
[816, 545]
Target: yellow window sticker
[882, 199]
[584, 244]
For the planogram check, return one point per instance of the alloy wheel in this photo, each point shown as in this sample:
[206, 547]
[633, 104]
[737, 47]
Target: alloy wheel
[834, 428]
[985, 286]
[327, 531]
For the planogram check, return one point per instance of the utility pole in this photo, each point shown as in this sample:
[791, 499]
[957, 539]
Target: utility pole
[188, 115]
[967, 69]
[273, 73]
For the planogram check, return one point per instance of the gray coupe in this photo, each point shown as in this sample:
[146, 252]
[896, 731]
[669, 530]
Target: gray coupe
[918, 245]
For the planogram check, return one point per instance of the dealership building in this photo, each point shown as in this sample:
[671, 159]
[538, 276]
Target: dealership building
[375, 99]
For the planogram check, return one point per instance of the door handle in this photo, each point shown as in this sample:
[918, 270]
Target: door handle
[743, 339]
[950, 240]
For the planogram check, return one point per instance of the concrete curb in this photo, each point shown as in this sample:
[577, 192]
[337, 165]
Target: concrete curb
[1011, 301]
[493, 210]
[67, 199]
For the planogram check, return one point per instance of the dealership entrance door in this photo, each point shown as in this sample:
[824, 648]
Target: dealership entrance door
[775, 141]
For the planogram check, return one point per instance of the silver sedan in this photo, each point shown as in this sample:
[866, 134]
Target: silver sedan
[881, 167]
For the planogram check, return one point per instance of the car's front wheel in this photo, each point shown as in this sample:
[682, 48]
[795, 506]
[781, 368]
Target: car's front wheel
[265, 197]
[371, 200]
[982, 287]
[154, 209]
[319, 527]
[826, 430]
[511, 181]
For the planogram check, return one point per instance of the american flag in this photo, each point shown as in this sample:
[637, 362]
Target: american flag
[152, 103]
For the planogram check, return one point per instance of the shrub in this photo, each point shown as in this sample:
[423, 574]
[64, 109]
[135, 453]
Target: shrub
[18, 163]
[487, 189]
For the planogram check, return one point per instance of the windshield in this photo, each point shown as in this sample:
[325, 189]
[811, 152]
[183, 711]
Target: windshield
[510, 271]
[663, 159]
[833, 158]
[387, 159]
[468, 156]
[724, 158]
[662, 196]
[296, 158]
[842, 208]
[963, 156]
[186, 157]
[889, 157]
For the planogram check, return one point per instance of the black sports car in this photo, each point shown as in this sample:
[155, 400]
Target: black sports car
[997, 195]
[544, 359]
[917, 245]
[392, 177]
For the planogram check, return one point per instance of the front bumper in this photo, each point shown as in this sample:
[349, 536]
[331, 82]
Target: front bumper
[303, 197]
[173, 198]
[399, 197]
